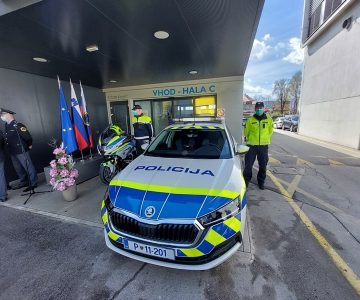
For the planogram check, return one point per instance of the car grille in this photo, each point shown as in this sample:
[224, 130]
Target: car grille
[171, 233]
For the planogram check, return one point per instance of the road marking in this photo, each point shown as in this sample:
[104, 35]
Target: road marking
[333, 147]
[335, 163]
[274, 161]
[303, 162]
[332, 208]
[294, 185]
[342, 266]
[52, 215]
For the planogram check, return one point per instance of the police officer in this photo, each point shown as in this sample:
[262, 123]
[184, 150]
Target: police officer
[19, 141]
[3, 190]
[258, 131]
[143, 129]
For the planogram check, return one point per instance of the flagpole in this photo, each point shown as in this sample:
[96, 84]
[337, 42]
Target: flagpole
[82, 156]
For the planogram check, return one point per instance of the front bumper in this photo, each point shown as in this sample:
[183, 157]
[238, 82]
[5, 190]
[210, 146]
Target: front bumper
[169, 264]
[216, 245]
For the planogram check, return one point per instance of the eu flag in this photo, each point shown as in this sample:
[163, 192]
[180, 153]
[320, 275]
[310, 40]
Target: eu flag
[79, 126]
[68, 137]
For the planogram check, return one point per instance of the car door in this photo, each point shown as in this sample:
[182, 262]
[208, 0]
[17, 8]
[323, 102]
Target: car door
[286, 122]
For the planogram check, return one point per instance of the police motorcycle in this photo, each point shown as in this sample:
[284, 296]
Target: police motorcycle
[117, 149]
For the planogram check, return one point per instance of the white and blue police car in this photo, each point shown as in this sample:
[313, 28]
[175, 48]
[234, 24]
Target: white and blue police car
[182, 204]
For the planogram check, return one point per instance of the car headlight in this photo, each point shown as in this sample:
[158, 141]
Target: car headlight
[108, 203]
[222, 213]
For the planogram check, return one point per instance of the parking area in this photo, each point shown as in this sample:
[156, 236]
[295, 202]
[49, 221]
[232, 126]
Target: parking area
[303, 240]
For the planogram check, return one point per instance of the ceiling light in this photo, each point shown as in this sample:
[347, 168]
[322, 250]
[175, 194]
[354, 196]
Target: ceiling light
[112, 81]
[193, 72]
[92, 48]
[40, 59]
[161, 35]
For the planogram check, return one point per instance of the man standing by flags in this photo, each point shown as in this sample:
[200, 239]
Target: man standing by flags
[85, 116]
[3, 185]
[79, 126]
[19, 142]
[67, 132]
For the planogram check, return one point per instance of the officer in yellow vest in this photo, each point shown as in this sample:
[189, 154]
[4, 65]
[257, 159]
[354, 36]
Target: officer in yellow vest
[258, 131]
[143, 129]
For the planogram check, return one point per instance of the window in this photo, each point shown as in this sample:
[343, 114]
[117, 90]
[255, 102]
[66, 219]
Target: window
[162, 111]
[205, 106]
[183, 108]
[191, 143]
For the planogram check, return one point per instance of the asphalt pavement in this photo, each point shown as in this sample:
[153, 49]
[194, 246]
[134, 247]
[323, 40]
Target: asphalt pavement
[47, 258]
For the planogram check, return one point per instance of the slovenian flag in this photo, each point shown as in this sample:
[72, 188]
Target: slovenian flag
[85, 116]
[79, 126]
[67, 132]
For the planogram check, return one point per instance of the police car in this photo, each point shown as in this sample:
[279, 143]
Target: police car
[181, 204]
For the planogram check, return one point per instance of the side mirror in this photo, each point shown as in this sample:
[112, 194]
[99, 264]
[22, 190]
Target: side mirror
[241, 149]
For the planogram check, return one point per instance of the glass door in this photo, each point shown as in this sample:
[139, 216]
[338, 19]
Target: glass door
[120, 115]
[162, 114]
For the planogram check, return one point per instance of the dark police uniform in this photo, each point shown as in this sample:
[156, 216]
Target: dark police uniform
[18, 141]
[143, 129]
[3, 190]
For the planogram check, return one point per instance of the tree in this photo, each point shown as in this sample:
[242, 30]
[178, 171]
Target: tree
[294, 90]
[281, 91]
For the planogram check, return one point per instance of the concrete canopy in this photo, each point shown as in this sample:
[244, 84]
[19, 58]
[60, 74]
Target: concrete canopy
[213, 37]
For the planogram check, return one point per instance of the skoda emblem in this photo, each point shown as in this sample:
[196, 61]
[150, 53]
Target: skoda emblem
[149, 211]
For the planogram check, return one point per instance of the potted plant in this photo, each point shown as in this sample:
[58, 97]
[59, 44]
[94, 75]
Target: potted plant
[63, 174]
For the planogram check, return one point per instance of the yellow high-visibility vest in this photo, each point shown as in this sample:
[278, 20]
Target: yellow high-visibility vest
[258, 132]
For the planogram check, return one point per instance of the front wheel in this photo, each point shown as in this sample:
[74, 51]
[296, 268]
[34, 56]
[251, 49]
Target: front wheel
[106, 174]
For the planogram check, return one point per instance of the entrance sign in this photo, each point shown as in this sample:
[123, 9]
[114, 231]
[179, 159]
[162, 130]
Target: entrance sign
[185, 90]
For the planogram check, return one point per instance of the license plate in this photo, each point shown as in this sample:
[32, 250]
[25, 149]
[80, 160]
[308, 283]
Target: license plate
[149, 250]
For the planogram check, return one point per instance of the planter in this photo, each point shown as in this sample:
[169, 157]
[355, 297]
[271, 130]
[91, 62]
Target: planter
[70, 194]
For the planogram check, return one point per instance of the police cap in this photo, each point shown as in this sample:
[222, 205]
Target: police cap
[259, 104]
[3, 110]
[137, 106]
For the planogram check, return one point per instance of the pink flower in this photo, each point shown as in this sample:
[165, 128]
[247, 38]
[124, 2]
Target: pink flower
[53, 163]
[53, 182]
[74, 173]
[53, 172]
[61, 186]
[64, 173]
[58, 151]
[63, 161]
[69, 182]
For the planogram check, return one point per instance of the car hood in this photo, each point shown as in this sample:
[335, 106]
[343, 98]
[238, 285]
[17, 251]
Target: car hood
[176, 188]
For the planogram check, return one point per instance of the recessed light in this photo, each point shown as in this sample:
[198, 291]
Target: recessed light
[92, 48]
[161, 35]
[40, 59]
[193, 72]
[112, 81]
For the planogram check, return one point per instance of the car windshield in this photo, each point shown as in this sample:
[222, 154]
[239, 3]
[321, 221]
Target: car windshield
[191, 143]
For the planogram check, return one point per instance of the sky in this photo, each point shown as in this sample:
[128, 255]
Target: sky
[276, 52]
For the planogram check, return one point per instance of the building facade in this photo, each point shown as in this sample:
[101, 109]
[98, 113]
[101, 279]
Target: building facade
[179, 100]
[330, 94]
